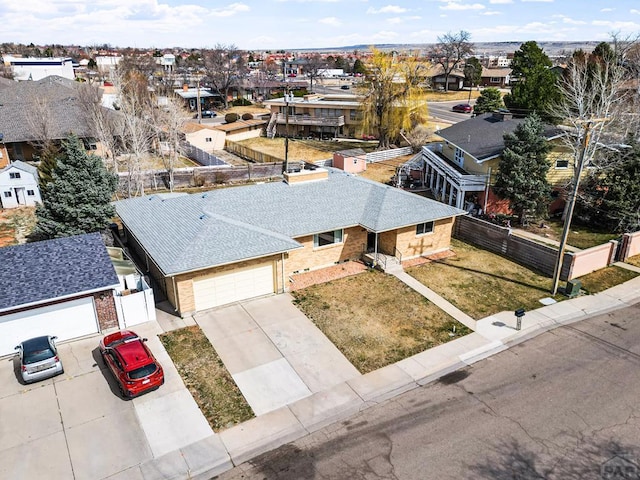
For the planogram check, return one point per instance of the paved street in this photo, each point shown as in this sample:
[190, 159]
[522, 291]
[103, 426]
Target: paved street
[562, 405]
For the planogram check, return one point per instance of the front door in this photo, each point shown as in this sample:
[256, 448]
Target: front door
[371, 242]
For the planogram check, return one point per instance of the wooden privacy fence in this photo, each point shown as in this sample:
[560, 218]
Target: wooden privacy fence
[535, 255]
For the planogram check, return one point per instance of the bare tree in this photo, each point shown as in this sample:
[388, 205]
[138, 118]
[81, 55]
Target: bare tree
[450, 50]
[137, 130]
[314, 67]
[225, 66]
[168, 122]
[105, 123]
[42, 127]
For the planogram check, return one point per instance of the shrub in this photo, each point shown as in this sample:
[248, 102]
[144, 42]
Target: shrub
[231, 117]
[241, 102]
[247, 116]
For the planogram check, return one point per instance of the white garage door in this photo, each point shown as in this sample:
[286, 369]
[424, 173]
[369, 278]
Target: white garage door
[233, 286]
[65, 320]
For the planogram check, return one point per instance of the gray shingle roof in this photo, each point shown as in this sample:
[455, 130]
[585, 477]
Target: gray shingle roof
[228, 225]
[25, 167]
[53, 269]
[482, 137]
[52, 101]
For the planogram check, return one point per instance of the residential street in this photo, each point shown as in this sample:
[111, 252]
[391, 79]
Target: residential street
[560, 406]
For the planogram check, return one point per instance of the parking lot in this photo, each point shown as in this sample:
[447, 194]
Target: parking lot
[77, 426]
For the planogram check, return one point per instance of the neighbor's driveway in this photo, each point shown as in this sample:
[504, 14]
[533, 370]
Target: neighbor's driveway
[76, 425]
[274, 353]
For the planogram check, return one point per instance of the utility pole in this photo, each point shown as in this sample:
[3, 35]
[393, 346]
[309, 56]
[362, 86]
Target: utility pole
[288, 97]
[572, 198]
[198, 98]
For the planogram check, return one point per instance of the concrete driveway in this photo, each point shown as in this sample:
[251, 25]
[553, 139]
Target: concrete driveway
[274, 353]
[76, 425]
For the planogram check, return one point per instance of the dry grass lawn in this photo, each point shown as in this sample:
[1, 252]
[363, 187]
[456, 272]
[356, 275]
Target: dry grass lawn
[635, 260]
[383, 171]
[307, 150]
[206, 377]
[374, 319]
[605, 278]
[16, 224]
[481, 283]
[453, 95]
[580, 236]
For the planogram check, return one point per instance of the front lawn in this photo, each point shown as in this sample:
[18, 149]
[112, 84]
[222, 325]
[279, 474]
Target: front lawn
[375, 320]
[481, 283]
[206, 377]
[604, 278]
[580, 236]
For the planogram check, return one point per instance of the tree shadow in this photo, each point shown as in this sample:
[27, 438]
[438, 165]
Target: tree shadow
[590, 459]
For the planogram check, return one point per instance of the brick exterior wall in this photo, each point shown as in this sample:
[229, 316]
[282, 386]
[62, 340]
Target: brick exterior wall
[106, 310]
[411, 245]
[309, 258]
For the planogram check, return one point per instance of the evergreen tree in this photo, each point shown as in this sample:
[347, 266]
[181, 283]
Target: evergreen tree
[536, 87]
[78, 198]
[611, 198]
[490, 100]
[522, 172]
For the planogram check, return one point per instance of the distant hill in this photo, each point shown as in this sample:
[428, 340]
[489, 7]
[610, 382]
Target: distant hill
[487, 48]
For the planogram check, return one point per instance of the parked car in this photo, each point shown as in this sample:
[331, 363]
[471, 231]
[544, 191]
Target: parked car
[131, 363]
[39, 359]
[206, 114]
[462, 108]
[345, 87]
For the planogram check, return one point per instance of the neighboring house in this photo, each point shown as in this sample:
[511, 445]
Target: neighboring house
[315, 115]
[495, 77]
[455, 80]
[204, 137]
[47, 109]
[61, 287]
[209, 249]
[461, 169]
[19, 185]
[191, 96]
[32, 68]
[242, 129]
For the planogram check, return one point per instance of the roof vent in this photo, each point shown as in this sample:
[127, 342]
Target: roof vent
[204, 195]
[203, 216]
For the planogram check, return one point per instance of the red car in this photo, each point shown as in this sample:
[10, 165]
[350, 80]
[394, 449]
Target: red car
[131, 362]
[462, 108]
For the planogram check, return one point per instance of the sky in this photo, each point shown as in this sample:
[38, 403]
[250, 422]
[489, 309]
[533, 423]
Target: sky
[308, 24]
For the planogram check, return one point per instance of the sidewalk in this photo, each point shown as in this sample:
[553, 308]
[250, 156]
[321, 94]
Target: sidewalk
[220, 452]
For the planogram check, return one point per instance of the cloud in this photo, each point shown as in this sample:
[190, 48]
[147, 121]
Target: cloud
[606, 10]
[398, 20]
[633, 10]
[462, 6]
[500, 1]
[545, 1]
[571, 21]
[229, 10]
[491, 12]
[332, 21]
[387, 9]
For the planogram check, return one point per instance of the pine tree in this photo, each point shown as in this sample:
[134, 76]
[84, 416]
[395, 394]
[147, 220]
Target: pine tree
[489, 100]
[77, 199]
[522, 172]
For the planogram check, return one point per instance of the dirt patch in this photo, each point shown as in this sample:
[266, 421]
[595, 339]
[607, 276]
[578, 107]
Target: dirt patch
[16, 224]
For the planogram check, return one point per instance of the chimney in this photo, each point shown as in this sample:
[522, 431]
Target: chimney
[309, 173]
[185, 87]
[502, 115]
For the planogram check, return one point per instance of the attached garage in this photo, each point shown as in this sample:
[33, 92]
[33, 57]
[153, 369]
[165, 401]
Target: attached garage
[233, 286]
[65, 320]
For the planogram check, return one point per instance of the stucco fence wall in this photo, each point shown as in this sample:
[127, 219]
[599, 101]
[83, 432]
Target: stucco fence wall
[630, 246]
[536, 256]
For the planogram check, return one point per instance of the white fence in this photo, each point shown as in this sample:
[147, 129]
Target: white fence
[387, 154]
[134, 301]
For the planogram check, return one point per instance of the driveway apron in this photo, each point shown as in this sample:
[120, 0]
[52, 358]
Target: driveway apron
[274, 353]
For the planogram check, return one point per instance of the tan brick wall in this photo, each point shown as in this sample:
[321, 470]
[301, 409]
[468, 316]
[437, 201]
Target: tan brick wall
[184, 283]
[411, 245]
[353, 241]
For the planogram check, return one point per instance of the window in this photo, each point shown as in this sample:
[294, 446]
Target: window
[424, 228]
[31, 193]
[14, 174]
[494, 80]
[207, 139]
[7, 194]
[562, 163]
[327, 238]
[459, 157]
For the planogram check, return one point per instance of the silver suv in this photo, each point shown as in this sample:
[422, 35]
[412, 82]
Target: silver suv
[39, 359]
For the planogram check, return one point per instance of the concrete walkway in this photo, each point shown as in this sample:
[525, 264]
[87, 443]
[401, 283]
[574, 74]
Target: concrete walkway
[268, 340]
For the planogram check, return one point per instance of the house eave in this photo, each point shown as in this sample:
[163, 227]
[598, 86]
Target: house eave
[61, 298]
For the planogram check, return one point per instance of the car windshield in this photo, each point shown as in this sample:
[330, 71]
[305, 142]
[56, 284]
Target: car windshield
[36, 350]
[142, 371]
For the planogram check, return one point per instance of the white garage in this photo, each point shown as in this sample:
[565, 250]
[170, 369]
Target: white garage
[66, 320]
[232, 286]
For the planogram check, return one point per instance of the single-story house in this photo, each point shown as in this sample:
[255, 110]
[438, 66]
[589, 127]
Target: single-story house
[204, 137]
[19, 185]
[209, 249]
[495, 77]
[61, 287]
